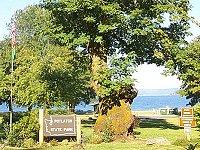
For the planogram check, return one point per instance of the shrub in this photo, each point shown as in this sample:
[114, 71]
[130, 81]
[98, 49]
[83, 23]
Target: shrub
[54, 142]
[77, 147]
[26, 128]
[28, 143]
[107, 135]
[197, 114]
[65, 142]
[191, 146]
[95, 139]
[60, 111]
[117, 121]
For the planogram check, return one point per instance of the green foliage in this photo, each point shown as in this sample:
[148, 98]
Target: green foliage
[77, 147]
[139, 29]
[116, 122]
[24, 130]
[116, 76]
[54, 142]
[185, 143]
[59, 111]
[197, 114]
[181, 142]
[192, 147]
[34, 24]
[186, 65]
[104, 27]
[50, 79]
[29, 143]
[93, 139]
[5, 70]
[107, 135]
[45, 74]
[65, 142]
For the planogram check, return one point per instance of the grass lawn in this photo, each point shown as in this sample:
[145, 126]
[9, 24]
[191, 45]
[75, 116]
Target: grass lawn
[168, 128]
[149, 128]
[135, 145]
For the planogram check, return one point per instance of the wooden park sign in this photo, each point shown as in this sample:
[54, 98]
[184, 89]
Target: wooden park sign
[59, 126]
[187, 121]
[183, 121]
[187, 117]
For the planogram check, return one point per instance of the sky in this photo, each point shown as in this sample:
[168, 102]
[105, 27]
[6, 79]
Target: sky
[147, 76]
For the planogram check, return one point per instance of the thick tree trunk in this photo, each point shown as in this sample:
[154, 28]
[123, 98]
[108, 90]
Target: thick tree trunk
[98, 65]
[107, 103]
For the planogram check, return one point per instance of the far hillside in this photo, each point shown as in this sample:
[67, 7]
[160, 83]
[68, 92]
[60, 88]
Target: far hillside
[158, 92]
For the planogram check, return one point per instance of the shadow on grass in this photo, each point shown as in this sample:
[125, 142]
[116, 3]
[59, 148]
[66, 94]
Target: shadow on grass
[157, 123]
[144, 123]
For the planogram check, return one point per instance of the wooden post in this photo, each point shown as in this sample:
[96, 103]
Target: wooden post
[41, 133]
[188, 137]
[187, 131]
[78, 122]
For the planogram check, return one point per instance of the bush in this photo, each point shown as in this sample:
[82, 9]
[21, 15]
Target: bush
[191, 146]
[197, 114]
[26, 128]
[117, 122]
[60, 111]
[95, 139]
[65, 142]
[77, 147]
[54, 142]
[29, 143]
[107, 135]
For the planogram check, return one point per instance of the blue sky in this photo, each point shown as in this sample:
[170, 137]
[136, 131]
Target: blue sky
[7, 9]
[148, 76]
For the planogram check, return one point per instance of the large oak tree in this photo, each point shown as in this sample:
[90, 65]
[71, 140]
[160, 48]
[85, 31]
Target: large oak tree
[152, 30]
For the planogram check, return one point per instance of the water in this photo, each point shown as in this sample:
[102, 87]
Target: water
[4, 108]
[156, 102]
[150, 102]
[139, 103]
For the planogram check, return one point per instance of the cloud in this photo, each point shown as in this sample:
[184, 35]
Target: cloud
[149, 77]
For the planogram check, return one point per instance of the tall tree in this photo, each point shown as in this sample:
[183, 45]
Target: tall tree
[44, 73]
[146, 27]
[5, 72]
[52, 79]
[186, 65]
[150, 29]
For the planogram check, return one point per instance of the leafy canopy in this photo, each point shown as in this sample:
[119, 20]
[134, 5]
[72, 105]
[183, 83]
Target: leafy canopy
[186, 66]
[149, 28]
[45, 74]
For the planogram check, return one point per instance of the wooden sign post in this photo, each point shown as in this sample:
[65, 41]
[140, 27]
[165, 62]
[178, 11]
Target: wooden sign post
[59, 126]
[187, 121]
[41, 118]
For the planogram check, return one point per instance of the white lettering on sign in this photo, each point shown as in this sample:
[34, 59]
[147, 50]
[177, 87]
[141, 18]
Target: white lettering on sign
[60, 126]
[56, 129]
[68, 129]
[59, 121]
[186, 113]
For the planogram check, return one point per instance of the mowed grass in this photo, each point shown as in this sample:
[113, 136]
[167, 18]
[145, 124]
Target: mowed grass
[135, 145]
[168, 129]
[149, 128]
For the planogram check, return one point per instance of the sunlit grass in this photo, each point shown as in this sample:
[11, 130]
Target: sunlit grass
[149, 128]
